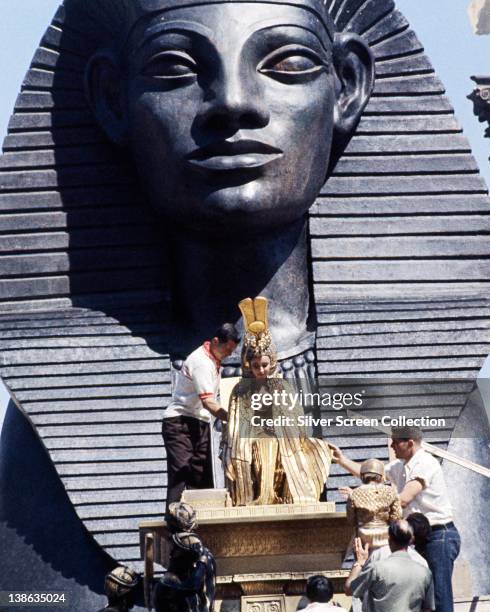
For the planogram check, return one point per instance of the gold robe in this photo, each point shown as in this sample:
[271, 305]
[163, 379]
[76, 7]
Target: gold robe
[370, 508]
[278, 465]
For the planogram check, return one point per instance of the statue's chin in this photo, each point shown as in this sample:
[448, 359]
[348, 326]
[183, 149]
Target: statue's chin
[236, 201]
[236, 210]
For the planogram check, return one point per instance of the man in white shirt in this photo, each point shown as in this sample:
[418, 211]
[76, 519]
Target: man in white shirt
[418, 477]
[185, 428]
[420, 483]
[319, 590]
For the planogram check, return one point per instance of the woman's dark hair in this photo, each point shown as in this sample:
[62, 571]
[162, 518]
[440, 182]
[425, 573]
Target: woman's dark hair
[367, 478]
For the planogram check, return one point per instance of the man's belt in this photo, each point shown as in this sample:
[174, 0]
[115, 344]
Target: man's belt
[444, 526]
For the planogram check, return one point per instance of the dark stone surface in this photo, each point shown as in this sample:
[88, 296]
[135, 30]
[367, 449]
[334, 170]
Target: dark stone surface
[389, 271]
[51, 548]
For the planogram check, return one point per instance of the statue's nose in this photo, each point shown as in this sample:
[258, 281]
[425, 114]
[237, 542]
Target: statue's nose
[235, 101]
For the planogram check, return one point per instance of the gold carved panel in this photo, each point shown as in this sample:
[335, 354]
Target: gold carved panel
[263, 603]
[315, 536]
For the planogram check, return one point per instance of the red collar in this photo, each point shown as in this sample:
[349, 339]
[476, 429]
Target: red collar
[207, 349]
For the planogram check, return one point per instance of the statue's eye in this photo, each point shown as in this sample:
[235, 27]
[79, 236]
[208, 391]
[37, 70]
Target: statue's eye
[292, 64]
[170, 65]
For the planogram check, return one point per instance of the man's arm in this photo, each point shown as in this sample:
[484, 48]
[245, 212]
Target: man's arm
[395, 507]
[346, 492]
[410, 492]
[351, 466]
[362, 554]
[214, 408]
[204, 379]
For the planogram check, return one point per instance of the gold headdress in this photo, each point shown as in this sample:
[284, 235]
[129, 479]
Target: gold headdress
[257, 340]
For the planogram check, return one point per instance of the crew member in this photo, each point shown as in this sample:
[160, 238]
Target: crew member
[420, 483]
[185, 429]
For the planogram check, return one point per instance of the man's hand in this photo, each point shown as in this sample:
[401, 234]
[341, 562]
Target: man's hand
[346, 492]
[361, 551]
[337, 454]
[214, 408]
[339, 457]
[222, 414]
[362, 555]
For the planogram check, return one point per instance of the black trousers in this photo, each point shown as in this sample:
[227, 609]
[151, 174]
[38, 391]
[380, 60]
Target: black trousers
[188, 445]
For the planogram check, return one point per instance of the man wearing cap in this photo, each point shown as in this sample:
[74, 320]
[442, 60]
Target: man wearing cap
[185, 428]
[420, 483]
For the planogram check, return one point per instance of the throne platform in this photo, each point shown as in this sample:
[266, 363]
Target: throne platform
[264, 554]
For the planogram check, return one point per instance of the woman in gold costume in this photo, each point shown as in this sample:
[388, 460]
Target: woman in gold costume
[265, 464]
[372, 506]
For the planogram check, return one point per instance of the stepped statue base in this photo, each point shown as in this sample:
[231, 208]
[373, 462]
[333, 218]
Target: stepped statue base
[264, 554]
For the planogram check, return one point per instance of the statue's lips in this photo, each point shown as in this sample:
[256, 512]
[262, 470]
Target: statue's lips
[240, 154]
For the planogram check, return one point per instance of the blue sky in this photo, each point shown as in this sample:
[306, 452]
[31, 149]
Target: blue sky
[441, 25]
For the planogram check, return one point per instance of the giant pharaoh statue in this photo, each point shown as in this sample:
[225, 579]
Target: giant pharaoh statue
[166, 159]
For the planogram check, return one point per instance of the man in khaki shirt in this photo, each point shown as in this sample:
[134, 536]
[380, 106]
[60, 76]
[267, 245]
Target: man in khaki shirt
[396, 583]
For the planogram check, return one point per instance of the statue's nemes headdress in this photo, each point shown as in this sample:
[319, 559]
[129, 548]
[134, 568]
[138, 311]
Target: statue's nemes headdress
[257, 340]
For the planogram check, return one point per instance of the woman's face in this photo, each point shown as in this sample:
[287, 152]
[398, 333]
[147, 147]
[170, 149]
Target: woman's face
[230, 110]
[261, 366]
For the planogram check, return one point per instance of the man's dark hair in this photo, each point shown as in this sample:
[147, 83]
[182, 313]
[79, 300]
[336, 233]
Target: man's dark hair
[401, 533]
[367, 478]
[227, 332]
[407, 433]
[319, 589]
[421, 528]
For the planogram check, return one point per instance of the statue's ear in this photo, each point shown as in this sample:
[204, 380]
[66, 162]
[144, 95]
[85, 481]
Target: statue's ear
[104, 88]
[354, 68]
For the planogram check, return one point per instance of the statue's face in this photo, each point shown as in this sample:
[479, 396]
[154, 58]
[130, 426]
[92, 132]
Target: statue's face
[230, 111]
